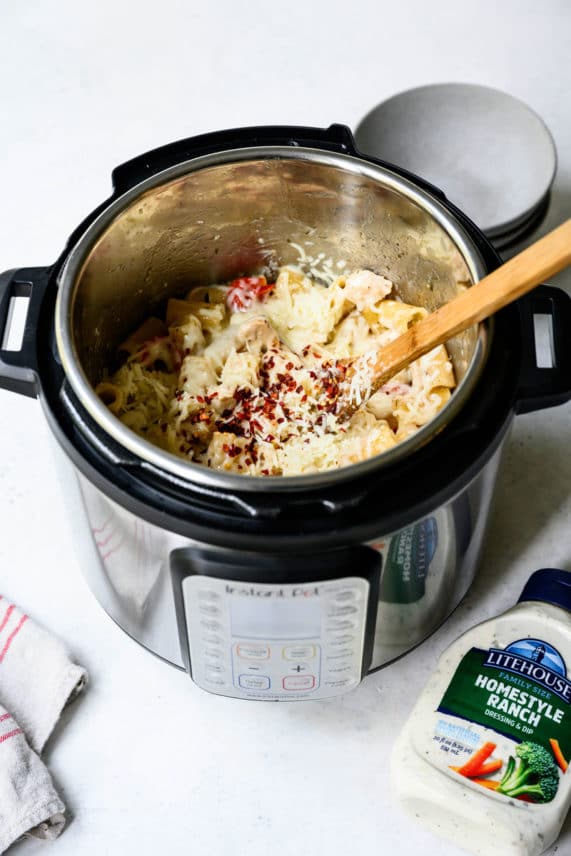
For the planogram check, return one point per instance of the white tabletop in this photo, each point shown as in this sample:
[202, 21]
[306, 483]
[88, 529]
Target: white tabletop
[146, 762]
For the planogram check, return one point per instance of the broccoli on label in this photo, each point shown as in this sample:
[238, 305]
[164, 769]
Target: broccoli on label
[537, 774]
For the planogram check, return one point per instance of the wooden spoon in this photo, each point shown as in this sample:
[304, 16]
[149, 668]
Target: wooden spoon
[365, 374]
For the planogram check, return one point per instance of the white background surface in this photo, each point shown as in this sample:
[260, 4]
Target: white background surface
[146, 762]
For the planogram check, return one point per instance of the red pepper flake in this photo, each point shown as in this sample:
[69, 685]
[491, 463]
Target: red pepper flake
[242, 292]
[265, 472]
[289, 366]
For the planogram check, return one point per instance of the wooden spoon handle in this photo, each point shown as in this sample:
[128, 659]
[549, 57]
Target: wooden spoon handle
[546, 257]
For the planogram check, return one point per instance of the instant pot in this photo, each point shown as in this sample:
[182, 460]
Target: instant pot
[274, 588]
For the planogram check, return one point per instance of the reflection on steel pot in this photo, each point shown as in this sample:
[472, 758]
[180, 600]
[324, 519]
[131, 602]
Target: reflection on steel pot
[274, 588]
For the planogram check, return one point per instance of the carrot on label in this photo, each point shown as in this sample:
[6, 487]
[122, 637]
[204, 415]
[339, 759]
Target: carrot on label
[473, 765]
[492, 767]
[486, 783]
[558, 754]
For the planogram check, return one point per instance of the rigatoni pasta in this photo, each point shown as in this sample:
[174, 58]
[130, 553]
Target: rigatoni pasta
[245, 377]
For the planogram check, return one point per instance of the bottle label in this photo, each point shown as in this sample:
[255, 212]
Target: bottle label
[408, 559]
[504, 722]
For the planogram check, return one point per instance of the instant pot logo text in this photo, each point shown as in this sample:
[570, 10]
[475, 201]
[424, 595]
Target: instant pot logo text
[252, 591]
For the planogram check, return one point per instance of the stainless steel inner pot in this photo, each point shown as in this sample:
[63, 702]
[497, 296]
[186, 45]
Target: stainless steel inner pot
[242, 211]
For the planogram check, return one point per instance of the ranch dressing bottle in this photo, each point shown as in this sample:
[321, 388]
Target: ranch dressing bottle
[483, 757]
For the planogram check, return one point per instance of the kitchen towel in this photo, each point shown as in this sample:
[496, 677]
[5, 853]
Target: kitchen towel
[37, 680]
[28, 800]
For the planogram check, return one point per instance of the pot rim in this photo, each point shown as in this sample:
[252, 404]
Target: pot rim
[232, 482]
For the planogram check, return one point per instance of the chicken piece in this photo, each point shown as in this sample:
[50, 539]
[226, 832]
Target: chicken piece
[365, 288]
[257, 336]
[380, 405]
[241, 370]
[196, 375]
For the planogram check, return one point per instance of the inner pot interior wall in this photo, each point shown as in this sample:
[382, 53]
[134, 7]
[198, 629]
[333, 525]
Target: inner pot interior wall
[249, 216]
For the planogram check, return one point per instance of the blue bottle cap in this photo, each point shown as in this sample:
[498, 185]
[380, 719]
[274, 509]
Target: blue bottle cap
[550, 585]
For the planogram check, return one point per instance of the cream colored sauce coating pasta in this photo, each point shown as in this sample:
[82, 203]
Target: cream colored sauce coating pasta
[245, 377]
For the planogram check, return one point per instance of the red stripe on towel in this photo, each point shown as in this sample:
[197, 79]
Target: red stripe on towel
[6, 618]
[5, 716]
[10, 638]
[13, 733]
[105, 540]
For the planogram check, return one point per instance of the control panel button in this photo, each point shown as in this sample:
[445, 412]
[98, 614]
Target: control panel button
[341, 609]
[214, 677]
[254, 682]
[207, 595]
[340, 624]
[213, 653]
[338, 668]
[341, 638]
[299, 652]
[346, 595]
[215, 668]
[247, 651]
[298, 682]
[208, 609]
[212, 639]
[339, 654]
[340, 682]
[210, 624]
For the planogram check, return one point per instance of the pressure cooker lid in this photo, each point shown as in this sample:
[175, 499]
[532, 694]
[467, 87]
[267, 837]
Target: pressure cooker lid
[489, 152]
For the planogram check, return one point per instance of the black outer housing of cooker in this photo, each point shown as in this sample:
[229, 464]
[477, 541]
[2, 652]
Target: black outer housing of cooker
[359, 507]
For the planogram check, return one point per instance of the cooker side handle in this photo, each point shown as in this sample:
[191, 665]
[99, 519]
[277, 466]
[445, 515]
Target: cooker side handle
[545, 386]
[18, 368]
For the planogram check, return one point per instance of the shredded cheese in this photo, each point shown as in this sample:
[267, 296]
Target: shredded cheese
[250, 375]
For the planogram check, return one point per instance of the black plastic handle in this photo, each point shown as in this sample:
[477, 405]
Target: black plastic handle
[19, 369]
[545, 387]
[336, 138]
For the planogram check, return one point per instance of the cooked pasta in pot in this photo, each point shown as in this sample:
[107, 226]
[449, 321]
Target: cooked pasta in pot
[246, 377]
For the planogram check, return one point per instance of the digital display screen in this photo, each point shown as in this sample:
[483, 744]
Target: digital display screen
[273, 618]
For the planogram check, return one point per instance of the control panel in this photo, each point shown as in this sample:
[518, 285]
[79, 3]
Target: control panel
[276, 642]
